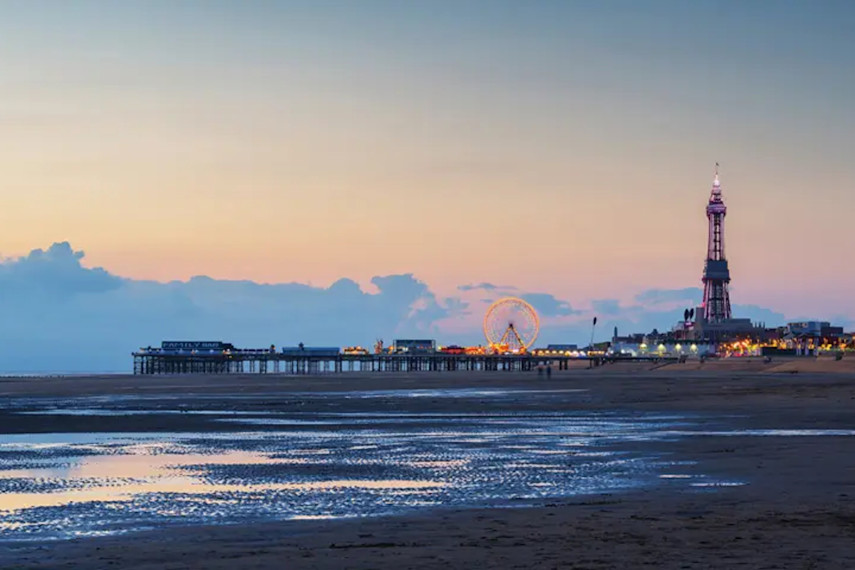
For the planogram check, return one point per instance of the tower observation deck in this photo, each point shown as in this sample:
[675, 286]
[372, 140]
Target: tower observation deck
[716, 279]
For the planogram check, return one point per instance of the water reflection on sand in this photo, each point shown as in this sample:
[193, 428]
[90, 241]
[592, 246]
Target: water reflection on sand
[303, 466]
[61, 485]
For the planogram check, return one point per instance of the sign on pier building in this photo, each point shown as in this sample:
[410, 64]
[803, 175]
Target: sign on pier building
[192, 345]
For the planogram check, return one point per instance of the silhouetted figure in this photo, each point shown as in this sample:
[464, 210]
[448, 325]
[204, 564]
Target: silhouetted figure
[549, 370]
[540, 369]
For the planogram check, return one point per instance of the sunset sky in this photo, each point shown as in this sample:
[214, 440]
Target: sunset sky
[564, 147]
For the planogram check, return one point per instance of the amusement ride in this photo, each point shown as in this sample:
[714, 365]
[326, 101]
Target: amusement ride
[511, 325]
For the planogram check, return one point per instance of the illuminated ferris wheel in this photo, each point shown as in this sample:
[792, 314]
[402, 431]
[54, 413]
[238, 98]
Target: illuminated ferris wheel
[511, 325]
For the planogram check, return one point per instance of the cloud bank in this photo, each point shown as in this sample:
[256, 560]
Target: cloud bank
[60, 316]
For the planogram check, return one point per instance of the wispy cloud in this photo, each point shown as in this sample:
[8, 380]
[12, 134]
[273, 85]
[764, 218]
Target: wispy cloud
[482, 286]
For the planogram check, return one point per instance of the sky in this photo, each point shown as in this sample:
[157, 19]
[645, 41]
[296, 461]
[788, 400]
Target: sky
[555, 148]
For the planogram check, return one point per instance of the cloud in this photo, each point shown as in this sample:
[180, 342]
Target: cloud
[847, 322]
[457, 306]
[690, 295]
[655, 303]
[482, 286]
[760, 315]
[56, 271]
[547, 305]
[60, 316]
[652, 309]
[606, 306]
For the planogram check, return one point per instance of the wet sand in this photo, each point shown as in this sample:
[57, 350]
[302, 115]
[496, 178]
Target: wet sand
[797, 509]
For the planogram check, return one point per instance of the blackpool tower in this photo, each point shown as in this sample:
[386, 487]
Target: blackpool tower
[716, 305]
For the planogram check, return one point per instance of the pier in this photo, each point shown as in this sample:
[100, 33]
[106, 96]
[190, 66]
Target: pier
[266, 362]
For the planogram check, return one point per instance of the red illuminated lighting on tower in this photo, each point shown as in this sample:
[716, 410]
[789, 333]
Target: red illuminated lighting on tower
[716, 277]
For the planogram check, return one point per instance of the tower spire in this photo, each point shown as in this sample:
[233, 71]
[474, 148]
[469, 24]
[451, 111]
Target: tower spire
[716, 189]
[716, 276]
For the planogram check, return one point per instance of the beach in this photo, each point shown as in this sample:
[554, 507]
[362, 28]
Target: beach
[753, 466]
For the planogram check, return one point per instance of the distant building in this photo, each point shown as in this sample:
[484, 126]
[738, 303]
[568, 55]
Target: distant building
[719, 331]
[562, 347]
[809, 327]
[656, 344]
[417, 346]
[557, 349]
[810, 337]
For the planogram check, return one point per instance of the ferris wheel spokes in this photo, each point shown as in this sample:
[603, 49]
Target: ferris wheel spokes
[512, 339]
[511, 325]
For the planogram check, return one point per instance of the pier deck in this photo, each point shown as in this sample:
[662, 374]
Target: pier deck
[260, 362]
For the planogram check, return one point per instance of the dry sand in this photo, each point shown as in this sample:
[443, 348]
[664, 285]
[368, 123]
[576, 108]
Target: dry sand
[797, 510]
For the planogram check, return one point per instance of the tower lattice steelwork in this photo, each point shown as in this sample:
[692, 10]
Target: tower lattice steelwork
[716, 278]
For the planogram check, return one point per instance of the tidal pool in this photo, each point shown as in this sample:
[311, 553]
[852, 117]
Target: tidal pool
[84, 484]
